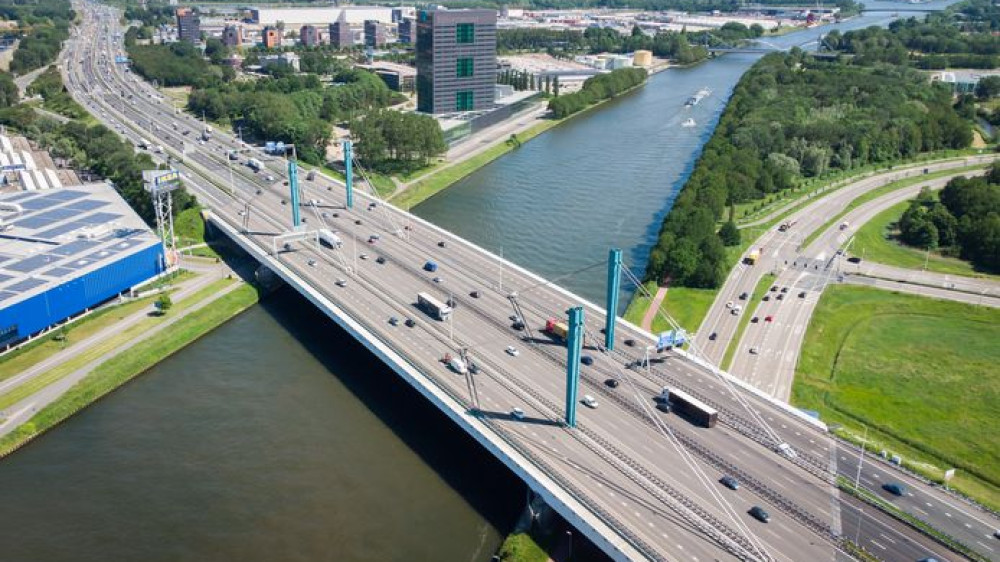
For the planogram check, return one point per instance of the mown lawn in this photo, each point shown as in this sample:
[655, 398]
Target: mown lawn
[687, 307]
[920, 373]
[875, 241]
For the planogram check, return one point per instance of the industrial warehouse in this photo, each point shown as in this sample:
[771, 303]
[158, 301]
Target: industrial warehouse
[66, 250]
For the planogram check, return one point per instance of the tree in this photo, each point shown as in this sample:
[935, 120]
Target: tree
[163, 303]
[730, 234]
[8, 90]
[555, 86]
[988, 87]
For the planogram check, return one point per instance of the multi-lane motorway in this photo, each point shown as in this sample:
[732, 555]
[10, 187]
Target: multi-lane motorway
[650, 478]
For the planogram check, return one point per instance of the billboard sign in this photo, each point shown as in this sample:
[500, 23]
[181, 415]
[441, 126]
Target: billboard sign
[670, 339]
[13, 168]
[161, 180]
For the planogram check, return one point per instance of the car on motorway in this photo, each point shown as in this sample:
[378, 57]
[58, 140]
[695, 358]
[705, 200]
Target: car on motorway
[410, 322]
[713, 336]
[373, 239]
[769, 318]
[312, 263]
[587, 360]
[894, 488]
[517, 414]
[744, 295]
[730, 482]
[363, 256]
[802, 295]
[780, 297]
[753, 351]
[630, 342]
[854, 259]
[438, 280]
[517, 325]
[589, 401]
[442, 244]
[754, 320]
[928, 559]
[787, 450]
[341, 282]
[611, 383]
[729, 304]
[380, 260]
[358, 222]
[512, 351]
[394, 321]
[475, 294]
[758, 513]
[766, 298]
[784, 289]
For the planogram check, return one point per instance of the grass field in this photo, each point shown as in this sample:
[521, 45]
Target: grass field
[875, 242]
[520, 547]
[687, 307]
[919, 373]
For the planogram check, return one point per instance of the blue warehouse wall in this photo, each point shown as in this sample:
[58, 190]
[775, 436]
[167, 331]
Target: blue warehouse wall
[75, 295]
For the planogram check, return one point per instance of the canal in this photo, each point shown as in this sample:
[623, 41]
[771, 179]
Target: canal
[277, 437]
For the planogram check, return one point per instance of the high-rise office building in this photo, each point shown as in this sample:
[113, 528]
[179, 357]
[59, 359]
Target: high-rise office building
[456, 60]
[309, 36]
[232, 36]
[374, 34]
[406, 31]
[341, 36]
[188, 25]
[271, 37]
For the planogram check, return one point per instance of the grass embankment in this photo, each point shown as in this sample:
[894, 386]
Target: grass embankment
[22, 391]
[520, 547]
[762, 286]
[919, 373]
[876, 242]
[123, 367]
[189, 227]
[879, 192]
[447, 175]
[686, 306]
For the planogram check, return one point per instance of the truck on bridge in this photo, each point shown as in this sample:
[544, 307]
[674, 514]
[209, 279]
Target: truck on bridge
[255, 165]
[556, 329]
[329, 239]
[432, 306]
[688, 406]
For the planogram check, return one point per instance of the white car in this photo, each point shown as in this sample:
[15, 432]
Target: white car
[753, 351]
[438, 280]
[729, 304]
[312, 263]
[341, 282]
[512, 351]
[517, 413]
[589, 401]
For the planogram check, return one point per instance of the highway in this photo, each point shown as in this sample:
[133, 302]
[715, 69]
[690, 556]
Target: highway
[651, 478]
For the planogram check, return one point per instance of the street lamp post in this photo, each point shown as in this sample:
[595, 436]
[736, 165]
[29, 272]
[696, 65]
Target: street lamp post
[861, 459]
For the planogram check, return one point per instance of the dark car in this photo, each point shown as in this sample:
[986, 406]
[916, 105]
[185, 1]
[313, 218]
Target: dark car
[630, 342]
[754, 320]
[730, 482]
[380, 259]
[358, 222]
[712, 336]
[743, 296]
[475, 294]
[802, 295]
[442, 244]
[587, 360]
[758, 513]
[854, 259]
[766, 298]
[410, 323]
[517, 325]
[774, 288]
[784, 289]
[780, 297]
[894, 488]
[612, 383]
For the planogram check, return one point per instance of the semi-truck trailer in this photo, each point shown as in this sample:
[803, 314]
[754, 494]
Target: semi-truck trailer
[752, 257]
[432, 306]
[556, 328]
[255, 165]
[682, 403]
[329, 239]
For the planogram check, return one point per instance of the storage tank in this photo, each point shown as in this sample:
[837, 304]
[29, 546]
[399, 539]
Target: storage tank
[642, 58]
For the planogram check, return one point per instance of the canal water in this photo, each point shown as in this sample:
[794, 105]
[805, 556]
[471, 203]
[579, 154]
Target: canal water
[605, 179]
[277, 437]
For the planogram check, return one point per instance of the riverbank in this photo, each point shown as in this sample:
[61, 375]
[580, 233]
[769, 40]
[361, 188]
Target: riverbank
[103, 371]
[444, 177]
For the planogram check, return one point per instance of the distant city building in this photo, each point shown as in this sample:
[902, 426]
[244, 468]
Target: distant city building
[456, 60]
[232, 36]
[271, 37]
[643, 58]
[324, 16]
[406, 31]
[289, 59]
[309, 36]
[188, 25]
[399, 77]
[374, 34]
[340, 33]
[397, 15]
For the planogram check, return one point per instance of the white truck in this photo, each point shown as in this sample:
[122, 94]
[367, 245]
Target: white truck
[255, 165]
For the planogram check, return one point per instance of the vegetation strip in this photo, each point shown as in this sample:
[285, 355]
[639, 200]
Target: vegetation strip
[125, 366]
[759, 291]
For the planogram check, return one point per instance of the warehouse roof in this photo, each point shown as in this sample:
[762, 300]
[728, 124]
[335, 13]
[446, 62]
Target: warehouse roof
[50, 237]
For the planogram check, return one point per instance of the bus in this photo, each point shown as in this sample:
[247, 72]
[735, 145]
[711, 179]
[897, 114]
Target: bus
[432, 306]
[689, 407]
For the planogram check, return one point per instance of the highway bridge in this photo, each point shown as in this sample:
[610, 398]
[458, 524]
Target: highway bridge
[640, 483]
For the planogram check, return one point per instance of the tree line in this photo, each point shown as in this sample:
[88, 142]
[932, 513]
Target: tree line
[792, 116]
[392, 141]
[595, 89]
[44, 27]
[848, 7]
[176, 64]
[964, 221]
[297, 110]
